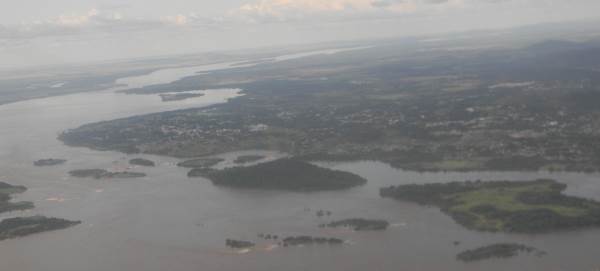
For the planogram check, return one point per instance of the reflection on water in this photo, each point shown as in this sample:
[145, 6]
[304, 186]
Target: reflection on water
[165, 76]
[167, 221]
[320, 52]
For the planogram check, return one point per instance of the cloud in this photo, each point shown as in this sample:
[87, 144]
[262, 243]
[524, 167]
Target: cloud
[179, 19]
[74, 20]
[287, 10]
[111, 19]
[92, 21]
[93, 17]
[274, 6]
[107, 20]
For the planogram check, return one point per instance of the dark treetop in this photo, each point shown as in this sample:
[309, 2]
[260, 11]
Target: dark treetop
[6, 205]
[23, 226]
[526, 207]
[285, 174]
[49, 162]
[142, 162]
[104, 174]
[359, 224]
[310, 240]
[496, 251]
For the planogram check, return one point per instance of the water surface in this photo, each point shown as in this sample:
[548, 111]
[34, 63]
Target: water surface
[167, 221]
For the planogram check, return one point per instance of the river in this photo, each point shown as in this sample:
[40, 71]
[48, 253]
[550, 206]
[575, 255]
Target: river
[167, 221]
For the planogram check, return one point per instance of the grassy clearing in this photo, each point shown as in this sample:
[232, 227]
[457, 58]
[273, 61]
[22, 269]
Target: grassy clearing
[529, 206]
[506, 200]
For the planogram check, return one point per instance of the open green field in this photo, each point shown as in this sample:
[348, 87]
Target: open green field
[531, 206]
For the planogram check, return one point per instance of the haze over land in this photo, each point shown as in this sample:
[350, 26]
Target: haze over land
[35, 32]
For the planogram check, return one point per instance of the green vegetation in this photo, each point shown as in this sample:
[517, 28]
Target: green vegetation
[496, 251]
[247, 159]
[237, 244]
[49, 162]
[321, 213]
[525, 207]
[359, 224]
[6, 188]
[417, 110]
[201, 162]
[104, 174]
[268, 236]
[23, 226]
[6, 205]
[142, 162]
[309, 240]
[179, 96]
[285, 174]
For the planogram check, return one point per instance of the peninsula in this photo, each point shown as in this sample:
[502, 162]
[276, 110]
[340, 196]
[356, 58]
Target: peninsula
[523, 207]
[6, 190]
[503, 250]
[104, 174]
[22, 226]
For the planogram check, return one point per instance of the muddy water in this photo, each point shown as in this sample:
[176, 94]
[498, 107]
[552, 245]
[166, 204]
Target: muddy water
[167, 221]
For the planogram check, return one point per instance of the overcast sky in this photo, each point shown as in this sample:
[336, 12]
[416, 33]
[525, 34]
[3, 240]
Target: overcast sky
[40, 32]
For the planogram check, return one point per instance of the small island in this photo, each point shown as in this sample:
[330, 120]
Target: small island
[104, 174]
[247, 159]
[237, 244]
[359, 224]
[505, 250]
[200, 162]
[142, 162]
[6, 188]
[6, 205]
[322, 213]
[268, 236]
[523, 207]
[171, 97]
[285, 174]
[309, 240]
[22, 226]
[49, 162]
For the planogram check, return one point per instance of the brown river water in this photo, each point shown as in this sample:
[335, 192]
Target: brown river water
[168, 222]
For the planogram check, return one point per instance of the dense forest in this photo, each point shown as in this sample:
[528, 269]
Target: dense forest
[5, 196]
[526, 206]
[23, 226]
[285, 174]
[503, 250]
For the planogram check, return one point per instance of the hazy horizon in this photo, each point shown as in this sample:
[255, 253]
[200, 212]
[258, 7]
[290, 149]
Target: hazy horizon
[67, 31]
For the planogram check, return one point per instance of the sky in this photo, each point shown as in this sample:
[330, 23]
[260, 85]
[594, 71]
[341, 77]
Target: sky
[50, 32]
